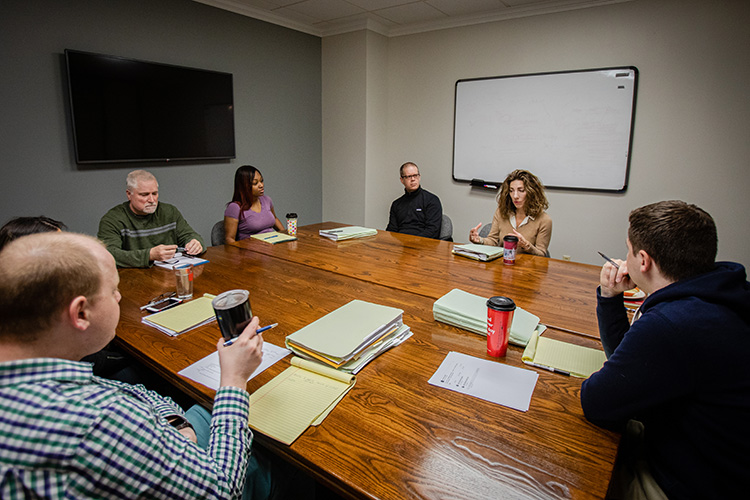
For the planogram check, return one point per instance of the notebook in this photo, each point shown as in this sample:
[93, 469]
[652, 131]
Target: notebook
[563, 357]
[179, 261]
[300, 396]
[478, 252]
[182, 318]
[273, 237]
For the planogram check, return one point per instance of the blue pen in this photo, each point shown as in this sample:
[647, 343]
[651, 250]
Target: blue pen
[257, 332]
[274, 236]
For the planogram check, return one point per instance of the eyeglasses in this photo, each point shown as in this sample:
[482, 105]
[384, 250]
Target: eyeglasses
[410, 177]
[159, 299]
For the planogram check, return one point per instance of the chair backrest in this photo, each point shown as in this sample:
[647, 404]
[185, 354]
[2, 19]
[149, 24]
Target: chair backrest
[485, 230]
[217, 234]
[446, 229]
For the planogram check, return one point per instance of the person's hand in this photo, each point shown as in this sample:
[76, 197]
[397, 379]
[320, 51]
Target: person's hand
[522, 242]
[474, 234]
[162, 252]
[239, 360]
[614, 281]
[193, 247]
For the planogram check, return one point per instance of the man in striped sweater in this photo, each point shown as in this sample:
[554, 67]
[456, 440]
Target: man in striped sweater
[142, 230]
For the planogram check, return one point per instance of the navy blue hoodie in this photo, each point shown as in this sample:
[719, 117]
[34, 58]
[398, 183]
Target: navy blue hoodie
[683, 369]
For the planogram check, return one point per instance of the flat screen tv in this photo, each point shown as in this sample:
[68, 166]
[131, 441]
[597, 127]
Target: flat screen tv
[124, 110]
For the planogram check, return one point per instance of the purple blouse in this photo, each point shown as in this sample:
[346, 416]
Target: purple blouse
[252, 222]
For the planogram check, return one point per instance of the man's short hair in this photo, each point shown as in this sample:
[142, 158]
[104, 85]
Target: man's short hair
[679, 237]
[41, 275]
[136, 176]
[407, 164]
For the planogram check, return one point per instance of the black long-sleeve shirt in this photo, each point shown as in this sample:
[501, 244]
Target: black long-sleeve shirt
[419, 213]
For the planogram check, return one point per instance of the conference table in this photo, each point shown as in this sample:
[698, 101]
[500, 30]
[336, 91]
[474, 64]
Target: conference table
[394, 436]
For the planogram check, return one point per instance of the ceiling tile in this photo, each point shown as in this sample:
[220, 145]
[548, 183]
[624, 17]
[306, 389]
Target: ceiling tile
[411, 13]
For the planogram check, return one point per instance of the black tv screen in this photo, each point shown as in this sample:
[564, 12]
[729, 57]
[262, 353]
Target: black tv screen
[125, 110]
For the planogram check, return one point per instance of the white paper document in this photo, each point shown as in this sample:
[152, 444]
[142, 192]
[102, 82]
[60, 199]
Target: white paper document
[207, 370]
[489, 380]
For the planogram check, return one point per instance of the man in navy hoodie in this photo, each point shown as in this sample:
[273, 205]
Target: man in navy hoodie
[676, 380]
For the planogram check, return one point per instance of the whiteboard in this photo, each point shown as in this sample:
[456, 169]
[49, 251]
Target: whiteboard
[572, 129]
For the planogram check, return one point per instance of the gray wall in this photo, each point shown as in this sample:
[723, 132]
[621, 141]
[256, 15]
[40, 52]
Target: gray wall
[277, 97]
[691, 126]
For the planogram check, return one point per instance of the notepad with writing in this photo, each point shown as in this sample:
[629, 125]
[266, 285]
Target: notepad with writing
[478, 252]
[572, 359]
[273, 237]
[179, 261]
[346, 332]
[300, 396]
[182, 318]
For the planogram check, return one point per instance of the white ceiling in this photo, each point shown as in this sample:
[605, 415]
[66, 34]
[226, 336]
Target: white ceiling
[392, 17]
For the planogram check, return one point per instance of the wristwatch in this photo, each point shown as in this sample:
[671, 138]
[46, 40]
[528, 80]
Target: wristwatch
[178, 422]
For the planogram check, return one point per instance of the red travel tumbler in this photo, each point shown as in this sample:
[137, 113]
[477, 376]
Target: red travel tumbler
[499, 318]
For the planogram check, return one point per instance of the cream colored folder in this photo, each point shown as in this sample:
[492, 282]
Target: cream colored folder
[342, 334]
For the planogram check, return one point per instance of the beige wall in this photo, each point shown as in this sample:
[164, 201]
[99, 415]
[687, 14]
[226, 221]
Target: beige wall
[691, 127]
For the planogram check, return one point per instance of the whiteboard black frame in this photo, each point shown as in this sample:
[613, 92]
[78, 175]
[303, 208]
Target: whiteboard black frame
[620, 167]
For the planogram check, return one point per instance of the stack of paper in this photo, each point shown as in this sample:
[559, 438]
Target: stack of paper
[349, 336]
[186, 316]
[179, 261]
[562, 357]
[273, 237]
[468, 311]
[347, 233]
[478, 252]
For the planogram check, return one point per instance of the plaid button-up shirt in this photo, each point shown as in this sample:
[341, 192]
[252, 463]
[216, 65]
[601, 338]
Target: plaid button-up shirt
[65, 433]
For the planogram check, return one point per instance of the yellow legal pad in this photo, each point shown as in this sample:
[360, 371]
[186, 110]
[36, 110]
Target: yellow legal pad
[575, 360]
[300, 396]
[273, 237]
[186, 316]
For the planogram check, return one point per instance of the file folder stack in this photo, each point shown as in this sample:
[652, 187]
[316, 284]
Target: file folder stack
[468, 311]
[478, 252]
[351, 336]
[347, 233]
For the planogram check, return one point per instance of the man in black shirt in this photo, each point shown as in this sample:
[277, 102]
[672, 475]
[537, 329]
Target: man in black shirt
[418, 211]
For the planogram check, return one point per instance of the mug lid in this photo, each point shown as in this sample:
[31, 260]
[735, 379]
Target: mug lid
[230, 299]
[510, 237]
[501, 303]
[291, 216]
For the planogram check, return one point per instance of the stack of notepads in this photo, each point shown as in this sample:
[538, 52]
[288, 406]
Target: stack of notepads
[351, 336]
[186, 316]
[563, 357]
[468, 311]
[478, 252]
[347, 233]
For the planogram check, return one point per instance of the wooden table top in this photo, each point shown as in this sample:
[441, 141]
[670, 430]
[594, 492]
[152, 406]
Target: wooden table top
[394, 436]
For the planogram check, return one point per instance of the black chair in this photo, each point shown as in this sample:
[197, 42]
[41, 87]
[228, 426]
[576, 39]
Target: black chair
[217, 234]
[446, 229]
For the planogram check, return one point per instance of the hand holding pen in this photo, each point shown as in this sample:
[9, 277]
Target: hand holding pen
[238, 361]
[614, 278]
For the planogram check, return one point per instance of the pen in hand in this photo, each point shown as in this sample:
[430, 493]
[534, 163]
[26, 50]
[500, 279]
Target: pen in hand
[257, 332]
[617, 266]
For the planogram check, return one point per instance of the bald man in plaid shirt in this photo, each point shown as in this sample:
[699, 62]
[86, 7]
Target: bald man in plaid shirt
[65, 433]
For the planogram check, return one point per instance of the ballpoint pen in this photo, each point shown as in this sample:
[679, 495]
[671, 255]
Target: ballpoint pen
[257, 332]
[617, 266]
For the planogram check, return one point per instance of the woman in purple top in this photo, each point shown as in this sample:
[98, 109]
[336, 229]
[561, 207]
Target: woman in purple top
[250, 211]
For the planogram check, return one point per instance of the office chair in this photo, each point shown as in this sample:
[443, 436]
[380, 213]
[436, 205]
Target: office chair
[217, 234]
[446, 229]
